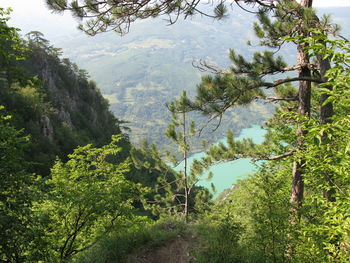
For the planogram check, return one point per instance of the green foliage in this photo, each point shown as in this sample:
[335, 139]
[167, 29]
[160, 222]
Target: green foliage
[12, 49]
[218, 240]
[150, 170]
[324, 232]
[249, 222]
[260, 203]
[16, 193]
[148, 164]
[88, 197]
[266, 213]
[16, 183]
[141, 233]
[50, 98]
[177, 193]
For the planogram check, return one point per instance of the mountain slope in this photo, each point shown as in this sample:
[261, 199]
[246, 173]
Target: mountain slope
[57, 105]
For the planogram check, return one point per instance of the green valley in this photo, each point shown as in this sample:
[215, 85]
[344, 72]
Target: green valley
[139, 73]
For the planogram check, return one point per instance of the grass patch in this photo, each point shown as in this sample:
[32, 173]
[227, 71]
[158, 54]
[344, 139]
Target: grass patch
[142, 234]
[218, 242]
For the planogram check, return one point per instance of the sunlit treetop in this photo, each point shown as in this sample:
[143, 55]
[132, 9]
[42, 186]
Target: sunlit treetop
[117, 15]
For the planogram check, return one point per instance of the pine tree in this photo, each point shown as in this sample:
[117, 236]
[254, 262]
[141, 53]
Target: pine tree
[180, 132]
[245, 80]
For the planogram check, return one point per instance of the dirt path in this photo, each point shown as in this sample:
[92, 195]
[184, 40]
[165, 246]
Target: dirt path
[176, 250]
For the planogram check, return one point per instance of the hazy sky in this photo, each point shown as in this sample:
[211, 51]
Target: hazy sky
[33, 15]
[331, 3]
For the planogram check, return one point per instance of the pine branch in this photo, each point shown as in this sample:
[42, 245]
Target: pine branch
[276, 157]
[267, 71]
[276, 99]
[204, 66]
[291, 68]
[170, 183]
[263, 3]
[269, 4]
[244, 9]
[219, 115]
[282, 81]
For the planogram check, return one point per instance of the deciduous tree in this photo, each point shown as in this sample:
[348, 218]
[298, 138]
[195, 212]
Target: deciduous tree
[88, 197]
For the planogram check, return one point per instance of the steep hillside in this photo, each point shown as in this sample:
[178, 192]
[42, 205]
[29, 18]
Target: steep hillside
[59, 109]
[57, 105]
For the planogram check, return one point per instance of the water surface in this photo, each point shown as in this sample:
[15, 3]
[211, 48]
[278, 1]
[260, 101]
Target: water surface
[226, 174]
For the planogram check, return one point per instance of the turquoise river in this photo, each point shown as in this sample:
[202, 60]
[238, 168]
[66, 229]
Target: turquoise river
[226, 174]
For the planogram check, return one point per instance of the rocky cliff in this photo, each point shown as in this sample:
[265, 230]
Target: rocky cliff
[58, 106]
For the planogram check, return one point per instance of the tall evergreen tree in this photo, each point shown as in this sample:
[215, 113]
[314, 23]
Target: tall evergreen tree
[243, 82]
[180, 131]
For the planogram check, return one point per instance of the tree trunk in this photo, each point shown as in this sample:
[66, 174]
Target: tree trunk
[185, 166]
[297, 193]
[303, 110]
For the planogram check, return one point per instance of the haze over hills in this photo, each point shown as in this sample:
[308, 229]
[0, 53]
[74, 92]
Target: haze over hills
[148, 67]
[143, 70]
[140, 72]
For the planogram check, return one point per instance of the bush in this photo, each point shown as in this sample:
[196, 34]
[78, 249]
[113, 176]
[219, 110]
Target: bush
[218, 241]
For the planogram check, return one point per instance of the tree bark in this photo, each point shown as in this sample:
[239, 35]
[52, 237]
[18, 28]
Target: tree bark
[185, 166]
[303, 110]
[297, 193]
